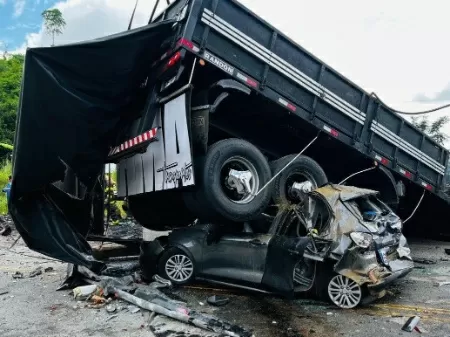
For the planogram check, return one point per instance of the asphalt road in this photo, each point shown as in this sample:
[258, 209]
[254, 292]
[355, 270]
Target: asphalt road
[33, 307]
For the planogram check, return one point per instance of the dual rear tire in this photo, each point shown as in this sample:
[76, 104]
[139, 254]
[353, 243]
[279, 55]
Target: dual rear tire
[216, 196]
[229, 182]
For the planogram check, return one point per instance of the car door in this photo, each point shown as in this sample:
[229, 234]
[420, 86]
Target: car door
[238, 257]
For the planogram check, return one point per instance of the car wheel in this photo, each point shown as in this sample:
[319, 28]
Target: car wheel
[302, 170]
[344, 292]
[219, 177]
[176, 266]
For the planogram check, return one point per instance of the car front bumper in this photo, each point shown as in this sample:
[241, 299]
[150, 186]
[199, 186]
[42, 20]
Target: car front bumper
[383, 282]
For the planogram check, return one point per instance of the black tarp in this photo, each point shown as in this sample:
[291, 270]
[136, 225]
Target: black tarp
[74, 100]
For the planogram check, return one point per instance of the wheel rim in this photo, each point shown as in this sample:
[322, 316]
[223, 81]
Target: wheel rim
[301, 178]
[344, 292]
[179, 268]
[239, 164]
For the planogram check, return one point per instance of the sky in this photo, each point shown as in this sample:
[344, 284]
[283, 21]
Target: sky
[397, 49]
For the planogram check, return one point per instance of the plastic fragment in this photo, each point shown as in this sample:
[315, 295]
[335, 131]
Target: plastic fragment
[36, 272]
[84, 292]
[17, 275]
[218, 300]
[411, 324]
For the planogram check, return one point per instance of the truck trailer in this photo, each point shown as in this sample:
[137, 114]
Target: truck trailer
[209, 113]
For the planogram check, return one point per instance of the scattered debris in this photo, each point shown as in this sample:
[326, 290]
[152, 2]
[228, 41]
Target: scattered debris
[5, 230]
[98, 299]
[411, 324]
[4, 292]
[84, 292]
[17, 275]
[424, 261]
[36, 272]
[329, 314]
[218, 300]
[111, 308]
[48, 269]
[440, 284]
[133, 309]
[111, 317]
[185, 315]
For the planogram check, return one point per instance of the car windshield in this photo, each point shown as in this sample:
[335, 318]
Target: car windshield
[370, 206]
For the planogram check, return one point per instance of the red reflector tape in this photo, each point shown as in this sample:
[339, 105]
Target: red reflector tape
[382, 160]
[247, 80]
[331, 131]
[186, 43]
[146, 136]
[427, 186]
[407, 174]
[288, 105]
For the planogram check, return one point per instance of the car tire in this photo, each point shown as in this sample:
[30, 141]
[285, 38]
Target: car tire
[170, 260]
[327, 285]
[160, 211]
[303, 167]
[212, 199]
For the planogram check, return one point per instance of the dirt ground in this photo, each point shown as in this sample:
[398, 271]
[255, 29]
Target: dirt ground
[33, 307]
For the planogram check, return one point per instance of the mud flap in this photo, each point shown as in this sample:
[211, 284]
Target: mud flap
[282, 255]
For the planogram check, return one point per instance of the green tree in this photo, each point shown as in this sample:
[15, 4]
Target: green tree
[10, 82]
[433, 129]
[54, 22]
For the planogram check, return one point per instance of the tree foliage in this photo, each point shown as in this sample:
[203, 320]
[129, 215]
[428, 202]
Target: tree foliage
[433, 129]
[10, 82]
[54, 22]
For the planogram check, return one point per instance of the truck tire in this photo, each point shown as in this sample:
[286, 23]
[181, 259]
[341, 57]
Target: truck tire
[215, 196]
[160, 211]
[302, 169]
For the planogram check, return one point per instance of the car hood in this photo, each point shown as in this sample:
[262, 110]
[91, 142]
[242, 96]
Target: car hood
[345, 217]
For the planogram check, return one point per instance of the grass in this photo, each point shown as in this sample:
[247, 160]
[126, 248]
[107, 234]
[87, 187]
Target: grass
[5, 172]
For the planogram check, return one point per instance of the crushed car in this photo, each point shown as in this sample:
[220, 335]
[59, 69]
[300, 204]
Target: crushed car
[341, 242]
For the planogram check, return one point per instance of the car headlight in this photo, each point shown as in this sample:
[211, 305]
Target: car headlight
[360, 239]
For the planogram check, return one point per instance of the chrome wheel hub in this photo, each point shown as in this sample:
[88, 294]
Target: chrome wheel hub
[179, 268]
[344, 292]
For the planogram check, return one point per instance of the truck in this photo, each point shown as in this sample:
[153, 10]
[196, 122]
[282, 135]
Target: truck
[253, 87]
[210, 113]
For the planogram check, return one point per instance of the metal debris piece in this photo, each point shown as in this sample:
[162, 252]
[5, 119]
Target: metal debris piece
[5, 230]
[411, 324]
[17, 275]
[133, 309]
[36, 272]
[162, 280]
[111, 317]
[424, 261]
[111, 308]
[440, 284]
[4, 291]
[185, 315]
[218, 300]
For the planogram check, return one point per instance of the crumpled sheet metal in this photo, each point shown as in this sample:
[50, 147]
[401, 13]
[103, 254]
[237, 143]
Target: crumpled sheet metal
[357, 266]
[342, 221]
[403, 249]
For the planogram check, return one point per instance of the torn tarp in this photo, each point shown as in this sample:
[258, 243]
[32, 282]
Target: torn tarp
[74, 101]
